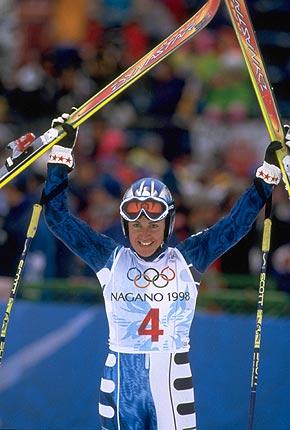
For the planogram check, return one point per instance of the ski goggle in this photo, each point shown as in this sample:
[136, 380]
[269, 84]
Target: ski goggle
[132, 209]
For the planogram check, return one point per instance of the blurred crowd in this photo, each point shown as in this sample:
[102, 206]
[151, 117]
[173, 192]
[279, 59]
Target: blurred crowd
[193, 122]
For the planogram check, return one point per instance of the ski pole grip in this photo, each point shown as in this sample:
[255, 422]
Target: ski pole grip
[266, 235]
[34, 220]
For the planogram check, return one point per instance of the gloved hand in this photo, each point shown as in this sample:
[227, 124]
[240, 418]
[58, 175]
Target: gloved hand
[270, 171]
[62, 153]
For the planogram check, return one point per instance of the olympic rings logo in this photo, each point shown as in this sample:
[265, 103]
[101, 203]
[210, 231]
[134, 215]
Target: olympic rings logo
[151, 276]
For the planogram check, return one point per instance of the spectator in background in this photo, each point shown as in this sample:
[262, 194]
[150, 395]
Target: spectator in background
[31, 94]
[41, 259]
[167, 89]
[281, 267]
[14, 226]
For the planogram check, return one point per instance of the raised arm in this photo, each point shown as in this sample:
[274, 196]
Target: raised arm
[92, 247]
[205, 247]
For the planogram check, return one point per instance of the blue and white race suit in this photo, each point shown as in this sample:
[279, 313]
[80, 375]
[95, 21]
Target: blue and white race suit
[150, 306]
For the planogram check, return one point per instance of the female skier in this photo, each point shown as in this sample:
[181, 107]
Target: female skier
[149, 288]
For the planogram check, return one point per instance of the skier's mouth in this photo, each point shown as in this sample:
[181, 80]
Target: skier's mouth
[145, 244]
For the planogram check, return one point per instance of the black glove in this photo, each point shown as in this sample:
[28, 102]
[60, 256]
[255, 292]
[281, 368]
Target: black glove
[72, 133]
[62, 153]
[270, 171]
[270, 154]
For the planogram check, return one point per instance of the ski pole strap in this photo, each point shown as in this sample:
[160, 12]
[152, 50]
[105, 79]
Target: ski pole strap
[45, 198]
[268, 207]
[258, 182]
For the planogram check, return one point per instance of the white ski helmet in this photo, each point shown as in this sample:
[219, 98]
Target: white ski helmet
[152, 198]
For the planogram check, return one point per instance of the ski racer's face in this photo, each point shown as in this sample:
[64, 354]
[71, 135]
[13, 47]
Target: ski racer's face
[146, 236]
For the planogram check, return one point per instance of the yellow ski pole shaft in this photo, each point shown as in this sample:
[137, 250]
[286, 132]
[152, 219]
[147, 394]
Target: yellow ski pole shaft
[32, 228]
[260, 309]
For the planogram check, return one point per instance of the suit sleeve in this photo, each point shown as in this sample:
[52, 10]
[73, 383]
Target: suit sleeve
[203, 248]
[92, 247]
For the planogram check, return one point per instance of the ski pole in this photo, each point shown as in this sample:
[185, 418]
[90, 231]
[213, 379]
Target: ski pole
[260, 308]
[33, 224]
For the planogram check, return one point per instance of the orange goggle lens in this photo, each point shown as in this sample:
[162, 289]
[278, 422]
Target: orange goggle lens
[152, 209]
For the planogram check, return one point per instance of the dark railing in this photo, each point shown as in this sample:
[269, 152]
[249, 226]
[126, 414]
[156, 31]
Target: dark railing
[231, 293]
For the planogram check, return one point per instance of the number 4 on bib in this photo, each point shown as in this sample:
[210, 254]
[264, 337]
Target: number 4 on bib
[151, 320]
